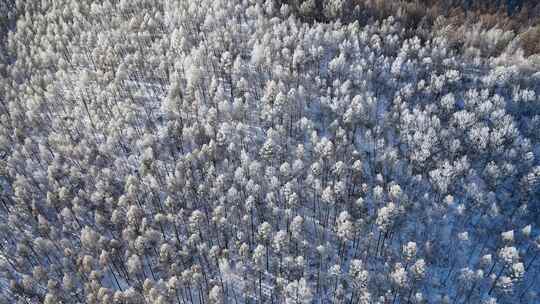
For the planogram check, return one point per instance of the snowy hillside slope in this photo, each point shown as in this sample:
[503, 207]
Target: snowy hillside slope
[229, 152]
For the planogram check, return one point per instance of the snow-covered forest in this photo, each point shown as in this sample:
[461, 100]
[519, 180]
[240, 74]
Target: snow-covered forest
[252, 151]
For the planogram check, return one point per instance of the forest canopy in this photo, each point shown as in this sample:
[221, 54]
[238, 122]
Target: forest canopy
[251, 151]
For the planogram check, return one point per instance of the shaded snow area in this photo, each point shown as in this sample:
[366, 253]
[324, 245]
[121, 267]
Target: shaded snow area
[217, 151]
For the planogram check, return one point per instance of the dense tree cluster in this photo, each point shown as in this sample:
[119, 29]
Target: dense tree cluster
[491, 26]
[218, 151]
